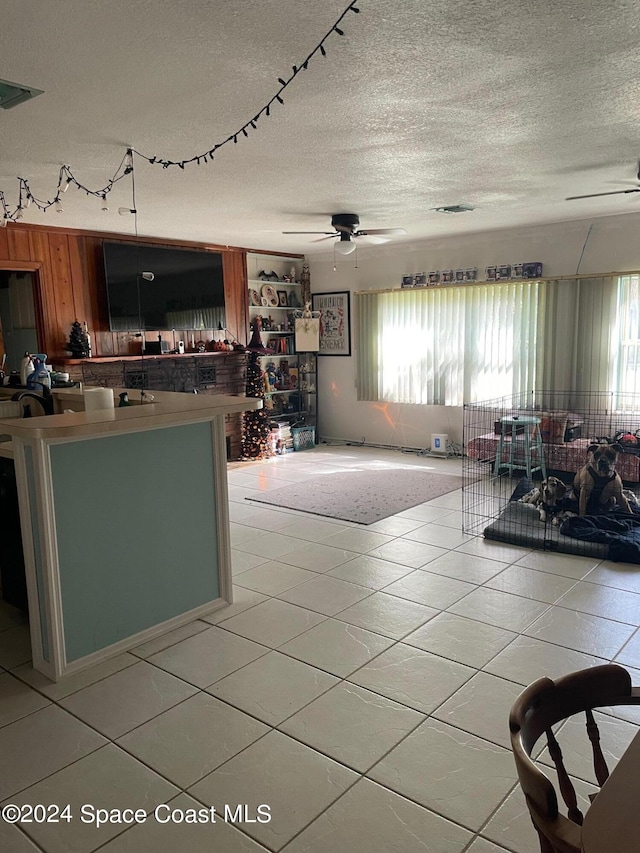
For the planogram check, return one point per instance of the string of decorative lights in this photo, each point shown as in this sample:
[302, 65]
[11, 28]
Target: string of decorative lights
[65, 179]
[66, 176]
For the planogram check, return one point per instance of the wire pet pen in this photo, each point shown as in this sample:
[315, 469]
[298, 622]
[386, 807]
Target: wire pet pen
[511, 443]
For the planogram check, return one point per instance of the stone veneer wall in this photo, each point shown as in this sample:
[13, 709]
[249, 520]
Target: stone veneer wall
[207, 373]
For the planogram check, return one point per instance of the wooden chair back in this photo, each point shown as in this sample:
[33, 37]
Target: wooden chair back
[538, 708]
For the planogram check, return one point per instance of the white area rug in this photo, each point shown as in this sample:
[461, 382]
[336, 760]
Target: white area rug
[362, 496]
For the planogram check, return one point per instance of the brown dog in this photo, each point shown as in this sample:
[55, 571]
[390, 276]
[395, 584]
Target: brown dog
[598, 485]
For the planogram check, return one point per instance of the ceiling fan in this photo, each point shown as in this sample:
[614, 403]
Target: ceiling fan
[611, 192]
[347, 228]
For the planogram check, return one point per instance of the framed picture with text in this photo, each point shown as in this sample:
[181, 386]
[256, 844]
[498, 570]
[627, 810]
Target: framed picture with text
[335, 322]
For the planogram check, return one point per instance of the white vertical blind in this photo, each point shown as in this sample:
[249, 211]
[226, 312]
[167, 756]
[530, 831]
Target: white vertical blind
[594, 330]
[450, 345]
[446, 345]
[504, 323]
[627, 336]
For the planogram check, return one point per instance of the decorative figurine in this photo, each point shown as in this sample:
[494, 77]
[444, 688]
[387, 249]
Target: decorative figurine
[305, 283]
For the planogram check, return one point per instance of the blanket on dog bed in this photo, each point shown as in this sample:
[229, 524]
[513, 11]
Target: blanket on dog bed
[620, 532]
[614, 536]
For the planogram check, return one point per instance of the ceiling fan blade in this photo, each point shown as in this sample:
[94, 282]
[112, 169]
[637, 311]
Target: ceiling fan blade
[329, 233]
[373, 239]
[328, 237]
[381, 231]
[596, 195]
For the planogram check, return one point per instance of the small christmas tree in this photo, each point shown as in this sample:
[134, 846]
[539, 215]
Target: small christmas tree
[255, 424]
[78, 345]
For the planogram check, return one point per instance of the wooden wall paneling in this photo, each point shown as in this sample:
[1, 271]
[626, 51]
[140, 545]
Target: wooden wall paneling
[106, 341]
[78, 275]
[95, 282]
[49, 333]
[18, 239]
[4, 244]
[71, 284]
[125, 342]
[64, 303]
[236, 294]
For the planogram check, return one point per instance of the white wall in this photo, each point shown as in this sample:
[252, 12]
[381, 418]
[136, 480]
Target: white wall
[613, 245]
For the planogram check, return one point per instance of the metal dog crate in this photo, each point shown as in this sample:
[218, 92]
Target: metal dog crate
[568, 423]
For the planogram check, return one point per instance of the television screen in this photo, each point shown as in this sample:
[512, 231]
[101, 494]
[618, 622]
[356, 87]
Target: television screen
[186, 293]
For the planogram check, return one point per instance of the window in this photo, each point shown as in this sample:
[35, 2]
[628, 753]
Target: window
[447, 345]
[628, 355]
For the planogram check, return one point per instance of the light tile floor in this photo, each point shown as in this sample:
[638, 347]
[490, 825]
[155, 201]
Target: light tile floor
[359, 686]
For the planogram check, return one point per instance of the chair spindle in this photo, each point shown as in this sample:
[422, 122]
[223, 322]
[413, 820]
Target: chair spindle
[566, 788]
[599, 763]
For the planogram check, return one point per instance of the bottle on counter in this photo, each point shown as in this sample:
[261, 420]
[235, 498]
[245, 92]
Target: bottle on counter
[31, 377]
[39, 376]
[26, 368]
[43, 377]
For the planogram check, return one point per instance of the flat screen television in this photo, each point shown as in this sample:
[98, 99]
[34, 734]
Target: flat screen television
[186, 293]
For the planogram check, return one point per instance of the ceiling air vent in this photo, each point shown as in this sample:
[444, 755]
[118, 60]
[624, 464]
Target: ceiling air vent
[12, 94]
[453, 208]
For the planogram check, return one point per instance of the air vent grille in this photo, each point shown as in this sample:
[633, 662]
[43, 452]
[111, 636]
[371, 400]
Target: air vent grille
[454, 208]
[12, 94]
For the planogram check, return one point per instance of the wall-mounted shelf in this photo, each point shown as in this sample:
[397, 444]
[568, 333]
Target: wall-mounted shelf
[296, 405]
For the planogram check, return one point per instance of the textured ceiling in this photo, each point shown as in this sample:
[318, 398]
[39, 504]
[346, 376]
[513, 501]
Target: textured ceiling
[508, 107]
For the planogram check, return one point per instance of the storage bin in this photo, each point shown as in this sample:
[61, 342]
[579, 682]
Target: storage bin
[304, 437]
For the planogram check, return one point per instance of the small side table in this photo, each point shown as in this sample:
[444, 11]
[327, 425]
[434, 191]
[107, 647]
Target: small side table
[530, 444]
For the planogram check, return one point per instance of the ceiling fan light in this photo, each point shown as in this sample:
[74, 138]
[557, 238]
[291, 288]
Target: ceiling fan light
[345, 246]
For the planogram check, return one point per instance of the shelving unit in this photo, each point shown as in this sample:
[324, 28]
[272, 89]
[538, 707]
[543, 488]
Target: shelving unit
[292, 375]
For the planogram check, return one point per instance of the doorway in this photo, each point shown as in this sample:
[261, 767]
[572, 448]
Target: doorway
[18, 333]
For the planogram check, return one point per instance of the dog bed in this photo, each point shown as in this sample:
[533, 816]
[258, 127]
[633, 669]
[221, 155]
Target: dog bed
[614, 536]
[519, 524]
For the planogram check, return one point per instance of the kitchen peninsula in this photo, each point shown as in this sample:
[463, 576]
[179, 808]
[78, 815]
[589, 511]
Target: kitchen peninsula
[124, 522]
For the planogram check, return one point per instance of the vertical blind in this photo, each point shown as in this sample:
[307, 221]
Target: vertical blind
[627, 334]
[449, 345]
[445, 345]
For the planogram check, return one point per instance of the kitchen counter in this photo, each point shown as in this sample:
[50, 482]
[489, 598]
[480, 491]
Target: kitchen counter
[167, 408]
[124, 522]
